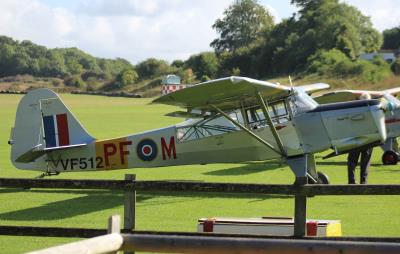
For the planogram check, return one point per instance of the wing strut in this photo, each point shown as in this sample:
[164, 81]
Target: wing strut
[264, 108]
[247, 130]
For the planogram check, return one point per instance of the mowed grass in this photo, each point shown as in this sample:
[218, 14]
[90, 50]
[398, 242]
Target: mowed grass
[169, 211]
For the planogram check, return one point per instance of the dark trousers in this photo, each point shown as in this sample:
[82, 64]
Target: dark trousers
[352, 161]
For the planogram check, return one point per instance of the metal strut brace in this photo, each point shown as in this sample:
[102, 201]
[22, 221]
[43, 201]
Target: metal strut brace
[264, 108]
[247, 130]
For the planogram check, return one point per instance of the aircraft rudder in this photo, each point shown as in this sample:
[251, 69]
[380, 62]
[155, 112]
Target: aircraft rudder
[43, 121]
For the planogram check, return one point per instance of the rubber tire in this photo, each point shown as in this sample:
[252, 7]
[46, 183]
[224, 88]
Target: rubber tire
[322, 178]
[390, 158]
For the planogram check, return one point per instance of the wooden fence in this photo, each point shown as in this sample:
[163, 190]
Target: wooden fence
[213, 243]
[130, 185]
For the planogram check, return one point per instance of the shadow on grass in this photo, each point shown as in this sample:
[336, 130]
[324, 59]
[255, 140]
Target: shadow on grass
[69, 207]
[100, 200]
[250, 168]
[332, 163]
[344, 164]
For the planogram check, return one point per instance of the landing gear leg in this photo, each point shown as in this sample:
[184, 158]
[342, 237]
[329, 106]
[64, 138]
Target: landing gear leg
[304, 166]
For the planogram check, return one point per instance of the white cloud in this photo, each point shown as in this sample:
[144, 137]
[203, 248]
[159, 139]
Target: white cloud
[137, 29]
[134, 29]
[274, 13]
[119, 7]
[384, 13]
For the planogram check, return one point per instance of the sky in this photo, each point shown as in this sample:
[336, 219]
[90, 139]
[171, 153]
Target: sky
[140, 29]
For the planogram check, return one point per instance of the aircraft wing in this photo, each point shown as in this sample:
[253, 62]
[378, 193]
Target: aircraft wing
[313, 88]
[225, 93]
[393, 91]
[351, 95]
[337, 96]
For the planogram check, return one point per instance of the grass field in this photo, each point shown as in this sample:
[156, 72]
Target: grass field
[108, 117]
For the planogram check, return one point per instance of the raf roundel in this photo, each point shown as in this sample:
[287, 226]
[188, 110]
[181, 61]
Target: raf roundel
[147, 150]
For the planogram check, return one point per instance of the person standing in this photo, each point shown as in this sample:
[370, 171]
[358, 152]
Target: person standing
[352, 158]
[352, 161]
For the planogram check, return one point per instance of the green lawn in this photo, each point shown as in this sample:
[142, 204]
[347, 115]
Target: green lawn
[109, 117]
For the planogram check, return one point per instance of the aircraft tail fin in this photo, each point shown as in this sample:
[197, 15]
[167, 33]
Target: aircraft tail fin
[43, 123]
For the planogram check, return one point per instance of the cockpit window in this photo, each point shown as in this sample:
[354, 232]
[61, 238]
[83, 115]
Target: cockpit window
[278, 112]
[210, 126]
[253, 118]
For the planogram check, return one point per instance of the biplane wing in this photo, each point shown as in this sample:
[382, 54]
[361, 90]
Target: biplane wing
[225, 93]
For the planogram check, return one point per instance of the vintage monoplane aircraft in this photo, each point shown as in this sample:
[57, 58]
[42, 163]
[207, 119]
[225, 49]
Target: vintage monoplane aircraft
[391, 153]
[232, 119]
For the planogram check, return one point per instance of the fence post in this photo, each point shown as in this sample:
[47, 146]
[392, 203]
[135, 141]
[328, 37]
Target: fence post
[300, 209]
[130, 205]
[114, 224]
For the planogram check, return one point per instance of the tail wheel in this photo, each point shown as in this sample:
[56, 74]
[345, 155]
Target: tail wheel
[390, 158]
[322, 178]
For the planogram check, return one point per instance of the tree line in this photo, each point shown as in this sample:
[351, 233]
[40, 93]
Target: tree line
[325, 37]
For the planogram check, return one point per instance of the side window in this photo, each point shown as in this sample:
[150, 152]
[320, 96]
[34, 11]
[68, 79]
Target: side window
[278, 112]
[212, 126]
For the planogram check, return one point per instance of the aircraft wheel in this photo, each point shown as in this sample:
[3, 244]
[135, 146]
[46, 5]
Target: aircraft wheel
[390, 158]
[322, 178]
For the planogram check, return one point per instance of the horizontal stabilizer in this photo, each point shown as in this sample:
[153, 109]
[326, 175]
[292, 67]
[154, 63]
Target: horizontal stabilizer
[38, 151]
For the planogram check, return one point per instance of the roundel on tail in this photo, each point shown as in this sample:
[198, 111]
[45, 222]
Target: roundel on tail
[147, 150]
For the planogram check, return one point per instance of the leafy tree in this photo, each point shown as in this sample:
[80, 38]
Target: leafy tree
[243, 22]
[152, 67]
[330, 24]
[243, 61]
[396, 66]
[335, 63]
[177, 63]
[7, 53]
[128, 76]
[391, 38]
[75, 81]
[203, 64]
[74, 67]
[187, 76]
[319, 25]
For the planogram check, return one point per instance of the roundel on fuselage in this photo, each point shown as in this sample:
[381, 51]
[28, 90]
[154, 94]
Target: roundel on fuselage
[147, 150]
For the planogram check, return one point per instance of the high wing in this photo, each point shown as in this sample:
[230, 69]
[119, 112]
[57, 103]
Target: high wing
[225, 93]
[351, 95]
[313, 88]
[393, 91]
[337, 96]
